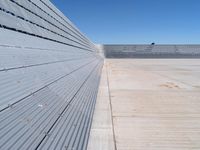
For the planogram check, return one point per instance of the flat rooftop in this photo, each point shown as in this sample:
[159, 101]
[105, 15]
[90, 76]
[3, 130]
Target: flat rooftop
[147, 104]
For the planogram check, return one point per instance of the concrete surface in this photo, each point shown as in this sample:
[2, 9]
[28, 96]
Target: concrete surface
[101, 134]
[155, 105]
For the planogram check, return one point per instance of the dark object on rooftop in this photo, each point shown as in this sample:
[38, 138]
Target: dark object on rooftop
[152, 43]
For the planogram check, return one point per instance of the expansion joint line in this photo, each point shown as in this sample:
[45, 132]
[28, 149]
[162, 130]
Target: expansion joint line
[111, 109]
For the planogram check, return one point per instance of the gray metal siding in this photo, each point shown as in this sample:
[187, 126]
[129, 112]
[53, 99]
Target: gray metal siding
[49, 77]
[152, 51]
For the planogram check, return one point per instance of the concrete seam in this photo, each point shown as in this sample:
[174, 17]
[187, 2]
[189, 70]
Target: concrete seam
[111, 110]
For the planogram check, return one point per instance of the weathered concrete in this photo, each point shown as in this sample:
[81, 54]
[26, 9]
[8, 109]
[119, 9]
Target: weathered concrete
[155, 104]
[101, 134]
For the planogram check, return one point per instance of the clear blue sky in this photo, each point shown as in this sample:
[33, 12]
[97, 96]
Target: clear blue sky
[135, 21]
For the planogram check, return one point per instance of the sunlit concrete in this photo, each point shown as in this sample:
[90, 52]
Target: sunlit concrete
[101, 134]
[155, 104]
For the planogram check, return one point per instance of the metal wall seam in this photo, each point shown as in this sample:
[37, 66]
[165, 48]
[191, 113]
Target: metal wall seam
[49, 77]
[39, 30]
[39, 13]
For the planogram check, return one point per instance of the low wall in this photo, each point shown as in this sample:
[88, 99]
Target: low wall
[151, 51]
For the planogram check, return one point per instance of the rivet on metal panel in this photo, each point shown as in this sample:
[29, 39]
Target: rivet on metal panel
[60, 115]
[4, 69]
[28, 120]
[10, 105]
[40, 105]
[47, 134]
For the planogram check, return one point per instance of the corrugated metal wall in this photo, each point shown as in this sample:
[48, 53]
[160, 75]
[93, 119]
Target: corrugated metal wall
[49, 77]
[152, 51]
